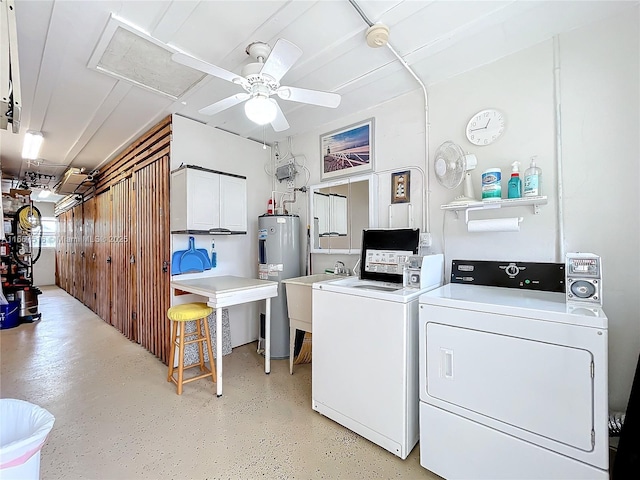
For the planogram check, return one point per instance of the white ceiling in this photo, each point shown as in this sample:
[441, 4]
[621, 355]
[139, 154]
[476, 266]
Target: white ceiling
[87, 117]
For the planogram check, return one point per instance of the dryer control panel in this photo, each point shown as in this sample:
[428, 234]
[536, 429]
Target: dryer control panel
[547, 277]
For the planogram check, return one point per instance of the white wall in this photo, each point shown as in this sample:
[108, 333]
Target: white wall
[601, 155]
[44, 271]
[193, 143]
[598, 151]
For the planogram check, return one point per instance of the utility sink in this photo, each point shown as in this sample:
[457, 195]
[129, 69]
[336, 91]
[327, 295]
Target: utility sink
[299, 295]
[299, 304]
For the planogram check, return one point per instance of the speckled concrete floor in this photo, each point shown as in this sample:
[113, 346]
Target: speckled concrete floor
[118, 418]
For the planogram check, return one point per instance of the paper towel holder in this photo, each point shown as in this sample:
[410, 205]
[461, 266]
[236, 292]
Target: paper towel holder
[484, 207]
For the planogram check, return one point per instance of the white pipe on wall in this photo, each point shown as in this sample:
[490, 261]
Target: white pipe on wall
[426, 222]
[560, 249]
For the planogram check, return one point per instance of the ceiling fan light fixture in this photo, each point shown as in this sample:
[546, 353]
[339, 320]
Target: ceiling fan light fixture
[260, 109]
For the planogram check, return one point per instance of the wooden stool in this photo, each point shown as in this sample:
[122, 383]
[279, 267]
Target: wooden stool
[179, 315]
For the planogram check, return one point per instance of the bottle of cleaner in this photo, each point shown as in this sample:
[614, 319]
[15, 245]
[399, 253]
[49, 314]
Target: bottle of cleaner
[532, 180]
[491, 184]
[514, 189]
[214, 255]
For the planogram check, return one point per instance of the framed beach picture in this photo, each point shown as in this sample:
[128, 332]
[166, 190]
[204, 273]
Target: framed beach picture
[347, 151]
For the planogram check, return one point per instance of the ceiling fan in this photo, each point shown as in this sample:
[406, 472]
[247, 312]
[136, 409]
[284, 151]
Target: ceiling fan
[261, 80]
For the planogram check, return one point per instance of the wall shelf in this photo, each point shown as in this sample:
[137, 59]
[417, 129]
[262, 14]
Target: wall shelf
[535, 202]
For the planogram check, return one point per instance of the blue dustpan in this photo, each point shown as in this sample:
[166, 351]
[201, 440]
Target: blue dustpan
[191, 263]
[192, 260]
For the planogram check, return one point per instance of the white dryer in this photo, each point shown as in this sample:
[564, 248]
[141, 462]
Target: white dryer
[513, 381]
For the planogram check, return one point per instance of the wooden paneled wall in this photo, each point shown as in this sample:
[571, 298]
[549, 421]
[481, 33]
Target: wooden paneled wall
[119, 266]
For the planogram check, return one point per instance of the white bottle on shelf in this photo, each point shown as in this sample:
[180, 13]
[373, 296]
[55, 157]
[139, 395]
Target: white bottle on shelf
[532, 180]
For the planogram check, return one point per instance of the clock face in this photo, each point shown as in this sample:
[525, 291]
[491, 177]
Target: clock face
[485, 127]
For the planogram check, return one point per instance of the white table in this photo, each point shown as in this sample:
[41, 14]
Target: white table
[228, 290]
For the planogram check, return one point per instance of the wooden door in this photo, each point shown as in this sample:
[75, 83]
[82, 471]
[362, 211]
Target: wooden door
[68, 254]
[89, 257]
[123, 260]
[78, 246]
[102, 249]
[153, 255]
[60, 248]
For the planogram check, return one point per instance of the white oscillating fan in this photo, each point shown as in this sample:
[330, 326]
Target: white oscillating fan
[452, 167]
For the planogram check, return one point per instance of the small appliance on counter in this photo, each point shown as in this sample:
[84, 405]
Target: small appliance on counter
[583, 279]
[419, 272]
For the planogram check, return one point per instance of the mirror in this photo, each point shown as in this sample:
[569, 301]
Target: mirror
[340, 210]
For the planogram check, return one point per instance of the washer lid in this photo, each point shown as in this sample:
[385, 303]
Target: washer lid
[549, 306]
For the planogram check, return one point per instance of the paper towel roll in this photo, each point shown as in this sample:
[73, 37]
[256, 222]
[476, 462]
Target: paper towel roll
[495, 225]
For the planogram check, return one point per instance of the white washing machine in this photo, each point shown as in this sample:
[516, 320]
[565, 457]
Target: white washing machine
[513, 381]
[365, 343]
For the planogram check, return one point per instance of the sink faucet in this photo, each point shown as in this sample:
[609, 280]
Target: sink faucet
[340, 269]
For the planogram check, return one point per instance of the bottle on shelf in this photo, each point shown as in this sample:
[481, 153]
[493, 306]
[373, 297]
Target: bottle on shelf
[214, 255]
[532, 180]
[514, 189]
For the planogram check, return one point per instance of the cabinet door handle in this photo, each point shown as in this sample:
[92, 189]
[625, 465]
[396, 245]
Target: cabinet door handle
[165, 266]
[109, 259]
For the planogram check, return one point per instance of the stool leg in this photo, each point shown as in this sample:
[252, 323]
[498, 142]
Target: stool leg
[200, 346]
[212, 362]
[172, 355]
[181, 359]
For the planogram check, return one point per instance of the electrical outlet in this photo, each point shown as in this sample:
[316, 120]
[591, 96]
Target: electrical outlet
[425, 239]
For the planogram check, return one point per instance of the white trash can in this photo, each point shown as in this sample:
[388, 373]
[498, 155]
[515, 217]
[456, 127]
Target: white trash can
[23, 430]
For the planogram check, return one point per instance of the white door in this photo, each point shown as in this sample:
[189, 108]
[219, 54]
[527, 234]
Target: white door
[539, 387]
[233, 203]
[203, 189]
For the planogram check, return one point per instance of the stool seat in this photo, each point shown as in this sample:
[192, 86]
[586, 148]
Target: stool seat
[179, 315]
[189, 311]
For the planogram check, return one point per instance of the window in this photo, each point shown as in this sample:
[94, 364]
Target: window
[49, 231]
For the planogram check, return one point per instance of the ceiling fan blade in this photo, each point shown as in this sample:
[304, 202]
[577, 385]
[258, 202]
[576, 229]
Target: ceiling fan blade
[205, 67]
[314, 97]
[281, 59]
[280, 122]
[224, 104]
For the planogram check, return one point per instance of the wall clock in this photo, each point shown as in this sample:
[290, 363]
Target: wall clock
[485, 127]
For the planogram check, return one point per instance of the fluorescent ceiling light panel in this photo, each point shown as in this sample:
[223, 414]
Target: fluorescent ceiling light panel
[31, 145]
[130, 54]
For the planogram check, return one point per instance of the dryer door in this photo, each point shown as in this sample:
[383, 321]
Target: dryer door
[538, 387]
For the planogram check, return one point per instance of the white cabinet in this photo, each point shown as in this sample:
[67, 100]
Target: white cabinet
[206, 201]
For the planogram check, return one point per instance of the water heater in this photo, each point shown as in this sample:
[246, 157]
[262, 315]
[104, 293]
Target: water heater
[278, 259]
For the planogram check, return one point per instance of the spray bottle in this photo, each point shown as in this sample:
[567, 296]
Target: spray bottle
[515, 185]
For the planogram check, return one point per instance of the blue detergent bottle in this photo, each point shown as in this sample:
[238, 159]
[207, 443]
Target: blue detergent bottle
[514, 188]
[214, 255]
